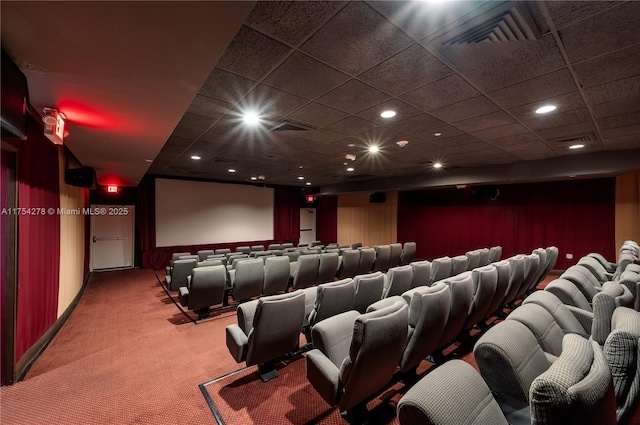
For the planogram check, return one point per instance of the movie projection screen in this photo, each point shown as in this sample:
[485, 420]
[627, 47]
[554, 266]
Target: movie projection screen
[199, 213]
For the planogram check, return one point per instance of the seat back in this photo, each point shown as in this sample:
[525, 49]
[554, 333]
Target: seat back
[421, 273]
[287, 245]
[328, 267]
[461, 288]
[531, 270]
[561, 314]
[434, 399]
[243, 249]
[255, 248]
[349, 265]
[292, 256]
[408, 252]
[516, 278]
[568, 293]
[376, 347]
[474, 259]
[440, 269]
[233, 260]
[331, 299]
[552, 257]
[428, 314]
[577, 389]
[459, 264]
[274, 247]
[176, 256]
[542, 325]
[485, 280]
[383, 256]
[503, 271]
[276, 275]
[395, 254]
[204, 253]
[356, 245]
[189, 257]
[223, 251]
[397, 281]
[495, 254]
[276, 327]
[485, 254]
[608, 266]
[207, 287]
[595, 268]
[583, 279]
[510, 358]
[542, 264]
[181, 269]
[249, 278]
[306, 273]
[368, 289]
[367, 258]
[613, 295]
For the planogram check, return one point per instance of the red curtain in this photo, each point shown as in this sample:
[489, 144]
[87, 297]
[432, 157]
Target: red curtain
[327, 219]
[38, 238]
[146, 214]
[286, 214]
[576, 216]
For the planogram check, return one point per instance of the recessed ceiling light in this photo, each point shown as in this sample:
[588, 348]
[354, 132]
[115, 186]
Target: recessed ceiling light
[148, 160]
[350, 169]
[373, 149]
[231, 170]
[578, 146]
[308, 183]
[251, 118]
[300, 166]
[196, 157]
[437, 165]
[300, 178]
[388, 114]
[546, 109]
[437, 134]
[254, 178]
[351, 145]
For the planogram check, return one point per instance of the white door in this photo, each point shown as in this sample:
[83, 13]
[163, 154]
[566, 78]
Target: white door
[307, 225]
[112, 236]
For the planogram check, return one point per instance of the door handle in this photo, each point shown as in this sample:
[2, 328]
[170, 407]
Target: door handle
[113, 238]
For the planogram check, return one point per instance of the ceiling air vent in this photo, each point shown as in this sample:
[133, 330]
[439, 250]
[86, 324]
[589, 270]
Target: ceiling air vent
[291, 126]
[581, 139]
[223, 160]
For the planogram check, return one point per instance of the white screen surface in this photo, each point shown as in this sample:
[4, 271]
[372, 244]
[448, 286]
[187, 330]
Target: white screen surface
[199, 213]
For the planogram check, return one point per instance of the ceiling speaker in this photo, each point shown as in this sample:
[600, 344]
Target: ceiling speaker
[378, 198]
[80, 177]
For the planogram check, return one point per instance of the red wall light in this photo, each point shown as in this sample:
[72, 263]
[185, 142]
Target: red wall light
[112, 189]
[311, 199]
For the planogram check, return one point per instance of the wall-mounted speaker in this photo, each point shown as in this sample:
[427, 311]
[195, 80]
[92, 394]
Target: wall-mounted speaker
[378, 198]
[80, 177]
[485, 192]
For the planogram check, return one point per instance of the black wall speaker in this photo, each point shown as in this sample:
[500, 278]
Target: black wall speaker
[378, 198]
[485, 192]
[80, 177]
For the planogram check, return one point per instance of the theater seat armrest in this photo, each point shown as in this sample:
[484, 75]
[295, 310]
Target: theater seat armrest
[167, 279]
[637, 300]
[183, 296]
[167, 270]
[237, 343]
[385, 302]
[584, 317]
[323, 375]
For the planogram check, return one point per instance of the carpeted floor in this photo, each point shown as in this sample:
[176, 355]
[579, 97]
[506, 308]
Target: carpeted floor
[127, 355]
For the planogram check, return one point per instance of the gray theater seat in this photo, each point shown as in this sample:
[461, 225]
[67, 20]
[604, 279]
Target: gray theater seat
[474, 259]
[397, 280]
[224, 251]
[181, 270]
[440, 269]
[367, 258]
[243, 249]
[421, 273]
[368, 289]
[408, 252]
[531, 273]
[332, 299]
[349, 265]
[461, 287]
[563, 314]
[395, 254]
[459, 264]
[276, 275]
[516, 278]
[383, 257]
[485, 280]
[495, 254]
[267, 329]
[204, 253]
[569, 294]
[542, 325]
[306, 272]
[205, 288]
[503, 270]
[485, 255]
[168, 269]
[247, 279]
[328, 267]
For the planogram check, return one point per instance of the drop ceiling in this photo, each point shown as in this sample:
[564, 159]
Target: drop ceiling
[473, 72]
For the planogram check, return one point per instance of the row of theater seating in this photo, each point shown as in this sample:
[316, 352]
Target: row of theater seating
[416, 317]
[547, 363]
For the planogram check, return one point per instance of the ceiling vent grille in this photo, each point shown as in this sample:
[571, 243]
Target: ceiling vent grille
[223, 160]
[514, 24]
[291, 126]
[581, 139]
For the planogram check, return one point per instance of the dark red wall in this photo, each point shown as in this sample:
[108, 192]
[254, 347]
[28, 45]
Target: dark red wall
[577, 216]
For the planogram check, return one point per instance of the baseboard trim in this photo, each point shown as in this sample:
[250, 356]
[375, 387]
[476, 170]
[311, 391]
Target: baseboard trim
[32, 354]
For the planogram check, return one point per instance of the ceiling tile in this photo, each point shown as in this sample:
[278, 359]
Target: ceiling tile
[515, 139]
[381, 137]
[209, 107]
[196, 121]
[621, 131]
[558, 119]
[614, 66]
[356, 39]
[440, 93]
[565, 13]
[402, 111]
[317, 115]
[353, 97]
[291, 21]
[417, 124]
[567, 131]
[609, 95]
[535, 89]
[445, 131]
[483, 122]
[500, 132]
[408, 70]
[470, 108]
[530, 60]
[351, 126]
[312, 78]
[269, 102]
[226, 86]
[252, 54]
[619, 120]
[623, 142]
[564, 102]
[603, 33]
[323, 136]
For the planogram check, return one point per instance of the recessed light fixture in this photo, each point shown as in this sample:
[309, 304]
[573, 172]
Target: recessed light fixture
[148, 160]
[546, 109]
[300, 166]
[350, 169]
[402, 143]
[231, 170]
[300, 178]
[254, 178]
[308, 183]
[578, 146]
[373, 149]
[388, 114]
[437, 134]
[196, 157]
[351, 145]
[437, 165]
[251, 118]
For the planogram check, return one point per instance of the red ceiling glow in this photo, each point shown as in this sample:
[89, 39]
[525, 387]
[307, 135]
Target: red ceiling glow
[87, 116]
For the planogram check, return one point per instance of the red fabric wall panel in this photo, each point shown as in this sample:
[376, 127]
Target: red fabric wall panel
[327, 219]
[576, 216]
[38, 239]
